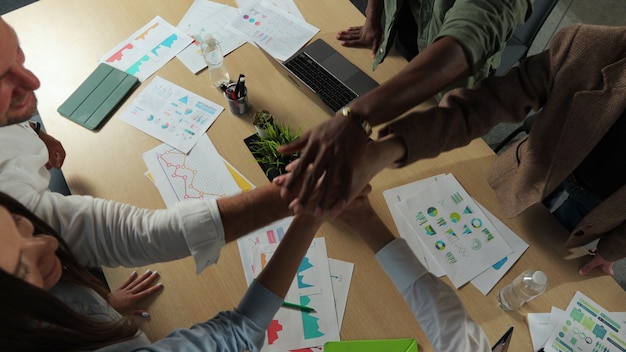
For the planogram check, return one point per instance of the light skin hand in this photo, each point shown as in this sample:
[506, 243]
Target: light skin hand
[337, 142]
[136, 288]
[597, 262]
[376, 156]
[56, 152]
[334, 147]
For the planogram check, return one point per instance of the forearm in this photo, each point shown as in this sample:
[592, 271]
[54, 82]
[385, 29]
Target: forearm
[282, 267]
[374, 9]
[248, 211]
[441, 64]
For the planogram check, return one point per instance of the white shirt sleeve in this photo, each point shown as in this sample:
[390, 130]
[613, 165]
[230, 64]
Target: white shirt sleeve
[102, 232]
[437, 308]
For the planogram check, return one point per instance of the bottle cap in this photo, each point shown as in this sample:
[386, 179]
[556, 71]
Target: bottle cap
[206, 37]
[540, 277]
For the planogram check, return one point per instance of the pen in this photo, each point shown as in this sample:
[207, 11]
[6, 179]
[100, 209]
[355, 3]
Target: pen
[223, 87]
[238, 86]
[297, 306]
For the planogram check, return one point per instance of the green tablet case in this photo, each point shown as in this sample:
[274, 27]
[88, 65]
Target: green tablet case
[386, 345]
[98, 96]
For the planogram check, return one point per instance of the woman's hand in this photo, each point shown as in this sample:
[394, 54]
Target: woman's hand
[134, 289]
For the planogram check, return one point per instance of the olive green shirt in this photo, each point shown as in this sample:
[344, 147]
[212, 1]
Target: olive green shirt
[482, 27]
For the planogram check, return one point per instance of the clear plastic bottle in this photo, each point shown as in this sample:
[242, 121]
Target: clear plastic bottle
[214, 58]
[527, 286]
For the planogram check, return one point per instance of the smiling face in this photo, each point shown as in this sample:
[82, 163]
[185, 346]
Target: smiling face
[25, 255]
[17, 84]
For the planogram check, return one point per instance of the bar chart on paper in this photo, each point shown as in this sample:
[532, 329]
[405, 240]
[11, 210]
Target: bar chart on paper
[292, 329]
[201, 174]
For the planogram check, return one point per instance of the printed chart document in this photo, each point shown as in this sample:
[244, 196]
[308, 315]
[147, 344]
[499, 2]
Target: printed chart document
[278, 32]
[586, 326]
[201, 174]
[171, 114]
[202, 17]
[148, 49]
[286, 5]
[320, 283]
[445, 227]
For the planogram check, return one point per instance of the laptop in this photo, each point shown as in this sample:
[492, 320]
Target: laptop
[324, 75]
[503, 344]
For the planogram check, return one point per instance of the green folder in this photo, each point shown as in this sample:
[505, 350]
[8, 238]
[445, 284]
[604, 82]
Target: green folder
[387, 345]
[98, 96]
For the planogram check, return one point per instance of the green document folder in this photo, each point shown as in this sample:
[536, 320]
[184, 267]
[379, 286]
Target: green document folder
[98, 96]
[390, 345]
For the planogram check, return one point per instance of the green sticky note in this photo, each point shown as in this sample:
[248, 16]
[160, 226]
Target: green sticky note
[98, 96]
[387, 345]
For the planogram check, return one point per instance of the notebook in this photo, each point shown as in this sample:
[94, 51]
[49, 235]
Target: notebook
[503, 344]
[386, 345]
[324, 75]
[98, 96]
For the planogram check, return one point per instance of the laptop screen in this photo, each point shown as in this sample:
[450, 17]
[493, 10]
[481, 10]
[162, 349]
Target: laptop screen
[503, 344]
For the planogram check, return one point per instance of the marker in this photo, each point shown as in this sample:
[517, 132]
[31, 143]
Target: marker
[297, 306]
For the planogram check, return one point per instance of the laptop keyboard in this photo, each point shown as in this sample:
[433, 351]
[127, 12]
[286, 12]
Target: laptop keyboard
[334, 93]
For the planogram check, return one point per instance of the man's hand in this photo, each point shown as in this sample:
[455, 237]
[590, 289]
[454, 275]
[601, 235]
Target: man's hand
[329, 153]
[56, 152]
[597, 261]
[133, 290]
[366, 36]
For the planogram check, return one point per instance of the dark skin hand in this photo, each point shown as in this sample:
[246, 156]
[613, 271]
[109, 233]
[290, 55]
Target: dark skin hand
[368, 35]
[334, 149]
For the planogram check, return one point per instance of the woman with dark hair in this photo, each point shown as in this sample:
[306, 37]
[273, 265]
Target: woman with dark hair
[50, 302]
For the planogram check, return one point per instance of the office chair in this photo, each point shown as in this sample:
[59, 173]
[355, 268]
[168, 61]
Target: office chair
[516, 50]
[517, 46]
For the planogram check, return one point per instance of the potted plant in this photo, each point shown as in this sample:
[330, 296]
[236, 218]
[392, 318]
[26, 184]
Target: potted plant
[264, 148]
[262, 120]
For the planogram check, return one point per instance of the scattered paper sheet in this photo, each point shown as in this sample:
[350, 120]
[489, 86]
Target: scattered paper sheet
[485, 281]
[254, 244]
[202, 17]
[340, 276]
[171, 114]
[454, 229]
[148, 49]
[201, 174]
[396, 195]
[278, 32]
[585, 326]
[286, 5]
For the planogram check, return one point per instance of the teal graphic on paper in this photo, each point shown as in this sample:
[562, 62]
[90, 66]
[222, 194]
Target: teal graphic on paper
[467, 210]
[440, 245]
[429, 230]
[455, 217]
[432, 211]
[309, 322]
[466, 230]
[305, 264]
[441, 222]
[456, 198]
[421, 218]
[476, 223]
[489, 234]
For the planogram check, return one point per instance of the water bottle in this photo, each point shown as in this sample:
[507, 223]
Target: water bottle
[525, 287]
[212, 53]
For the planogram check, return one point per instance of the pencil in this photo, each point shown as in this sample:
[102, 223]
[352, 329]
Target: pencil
[297, 306]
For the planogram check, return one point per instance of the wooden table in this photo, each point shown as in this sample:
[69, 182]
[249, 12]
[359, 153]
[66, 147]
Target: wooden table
[63, 40]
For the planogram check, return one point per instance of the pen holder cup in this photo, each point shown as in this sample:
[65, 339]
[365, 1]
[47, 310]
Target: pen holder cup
[237, 106]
